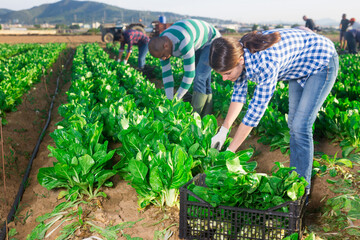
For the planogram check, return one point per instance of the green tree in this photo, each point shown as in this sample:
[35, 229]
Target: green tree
[76, 26]
[229, 30]
[93, 31]
[265, 27]
[255, 27]
[279, 26]
[61, 26]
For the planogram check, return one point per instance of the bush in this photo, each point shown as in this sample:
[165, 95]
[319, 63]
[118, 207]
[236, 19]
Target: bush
[93, 31]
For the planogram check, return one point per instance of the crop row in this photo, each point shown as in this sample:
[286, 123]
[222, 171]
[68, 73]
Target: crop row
[20, 72]
[7, 50]
[338, 119]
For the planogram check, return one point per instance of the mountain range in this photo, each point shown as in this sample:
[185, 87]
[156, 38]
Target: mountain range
[70, 11]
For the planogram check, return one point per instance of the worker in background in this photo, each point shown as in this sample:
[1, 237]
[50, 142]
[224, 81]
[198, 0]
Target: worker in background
[352, 38]
[354, 24]
[134, 37]
[344, 24]
[188, 39]
[309, 23]
[266, 58]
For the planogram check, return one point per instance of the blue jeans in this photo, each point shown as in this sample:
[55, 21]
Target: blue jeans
[304, 104]
[202, 80]
[143, 49]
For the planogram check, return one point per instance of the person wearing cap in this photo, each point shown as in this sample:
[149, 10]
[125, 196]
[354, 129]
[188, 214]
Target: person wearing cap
[134, 37]
[308, 61]
[190, 40]
[354, 24]
[344, 24]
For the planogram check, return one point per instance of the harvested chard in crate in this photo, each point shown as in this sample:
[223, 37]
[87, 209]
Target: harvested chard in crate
[200, 219]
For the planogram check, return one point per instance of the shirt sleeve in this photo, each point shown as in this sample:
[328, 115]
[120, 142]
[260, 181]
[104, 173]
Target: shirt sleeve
[267, 79]
[189, 73]
[129, 40]
[167, 78]
[240, 91]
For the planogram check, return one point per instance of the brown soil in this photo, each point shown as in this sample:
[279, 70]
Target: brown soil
[23, 129]
[51, 39]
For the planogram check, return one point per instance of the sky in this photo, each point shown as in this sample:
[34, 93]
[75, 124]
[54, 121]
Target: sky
[247, 11]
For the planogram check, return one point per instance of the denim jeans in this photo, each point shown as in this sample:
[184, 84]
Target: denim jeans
[304, 104]
[143, 49]
[202, 80]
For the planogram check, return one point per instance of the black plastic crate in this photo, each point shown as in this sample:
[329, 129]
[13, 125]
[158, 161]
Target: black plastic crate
[200, 220]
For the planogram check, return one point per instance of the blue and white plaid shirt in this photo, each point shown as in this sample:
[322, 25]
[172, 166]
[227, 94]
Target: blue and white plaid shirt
[298, 55]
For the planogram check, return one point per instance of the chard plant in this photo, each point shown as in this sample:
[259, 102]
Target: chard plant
[70, 217]
[81, 162]
[334, 164]
[340, 213]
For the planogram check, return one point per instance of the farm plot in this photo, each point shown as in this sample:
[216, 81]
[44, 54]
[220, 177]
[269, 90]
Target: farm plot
[130, 113]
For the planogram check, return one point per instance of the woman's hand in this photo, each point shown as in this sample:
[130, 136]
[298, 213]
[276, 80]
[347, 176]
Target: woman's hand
[219, 139]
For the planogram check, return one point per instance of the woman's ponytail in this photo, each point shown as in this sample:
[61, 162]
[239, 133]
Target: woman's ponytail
[256, 41]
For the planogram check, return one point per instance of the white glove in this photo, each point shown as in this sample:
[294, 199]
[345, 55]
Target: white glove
[118, 60]
[124, 61]
[218, 140]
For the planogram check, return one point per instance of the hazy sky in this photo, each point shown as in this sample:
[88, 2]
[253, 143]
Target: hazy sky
[250, 11]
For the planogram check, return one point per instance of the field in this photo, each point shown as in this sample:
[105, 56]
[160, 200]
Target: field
[24, 126]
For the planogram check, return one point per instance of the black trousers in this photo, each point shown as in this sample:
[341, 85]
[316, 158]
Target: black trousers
[351, 42]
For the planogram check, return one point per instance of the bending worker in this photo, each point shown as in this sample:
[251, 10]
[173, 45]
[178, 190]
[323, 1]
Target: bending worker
[190, 40]
[307, 60]
[352, 38]
[134, 37]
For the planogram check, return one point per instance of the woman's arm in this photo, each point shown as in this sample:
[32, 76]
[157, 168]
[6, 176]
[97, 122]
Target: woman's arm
[232, 114]
[241, 134]
[243, 130]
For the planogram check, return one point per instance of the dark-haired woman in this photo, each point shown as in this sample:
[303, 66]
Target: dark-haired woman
[307, 60]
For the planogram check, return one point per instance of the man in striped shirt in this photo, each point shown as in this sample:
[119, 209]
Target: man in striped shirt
[189, 39]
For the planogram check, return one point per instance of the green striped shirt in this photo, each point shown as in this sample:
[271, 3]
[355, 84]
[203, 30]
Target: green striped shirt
[187, 36]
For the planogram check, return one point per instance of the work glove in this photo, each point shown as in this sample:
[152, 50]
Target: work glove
[218, 140]
[118, 60]
[124, 62]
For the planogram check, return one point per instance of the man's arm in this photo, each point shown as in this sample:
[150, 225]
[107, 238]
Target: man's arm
[167, 78]
[127, 56]
[189, 73]
[121, 51]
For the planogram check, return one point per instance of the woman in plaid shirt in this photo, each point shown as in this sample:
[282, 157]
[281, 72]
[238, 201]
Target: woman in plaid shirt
[307, 60]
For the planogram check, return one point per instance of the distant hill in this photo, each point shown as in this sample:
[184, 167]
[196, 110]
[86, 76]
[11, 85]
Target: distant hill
[69, 11]
[4, 11]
